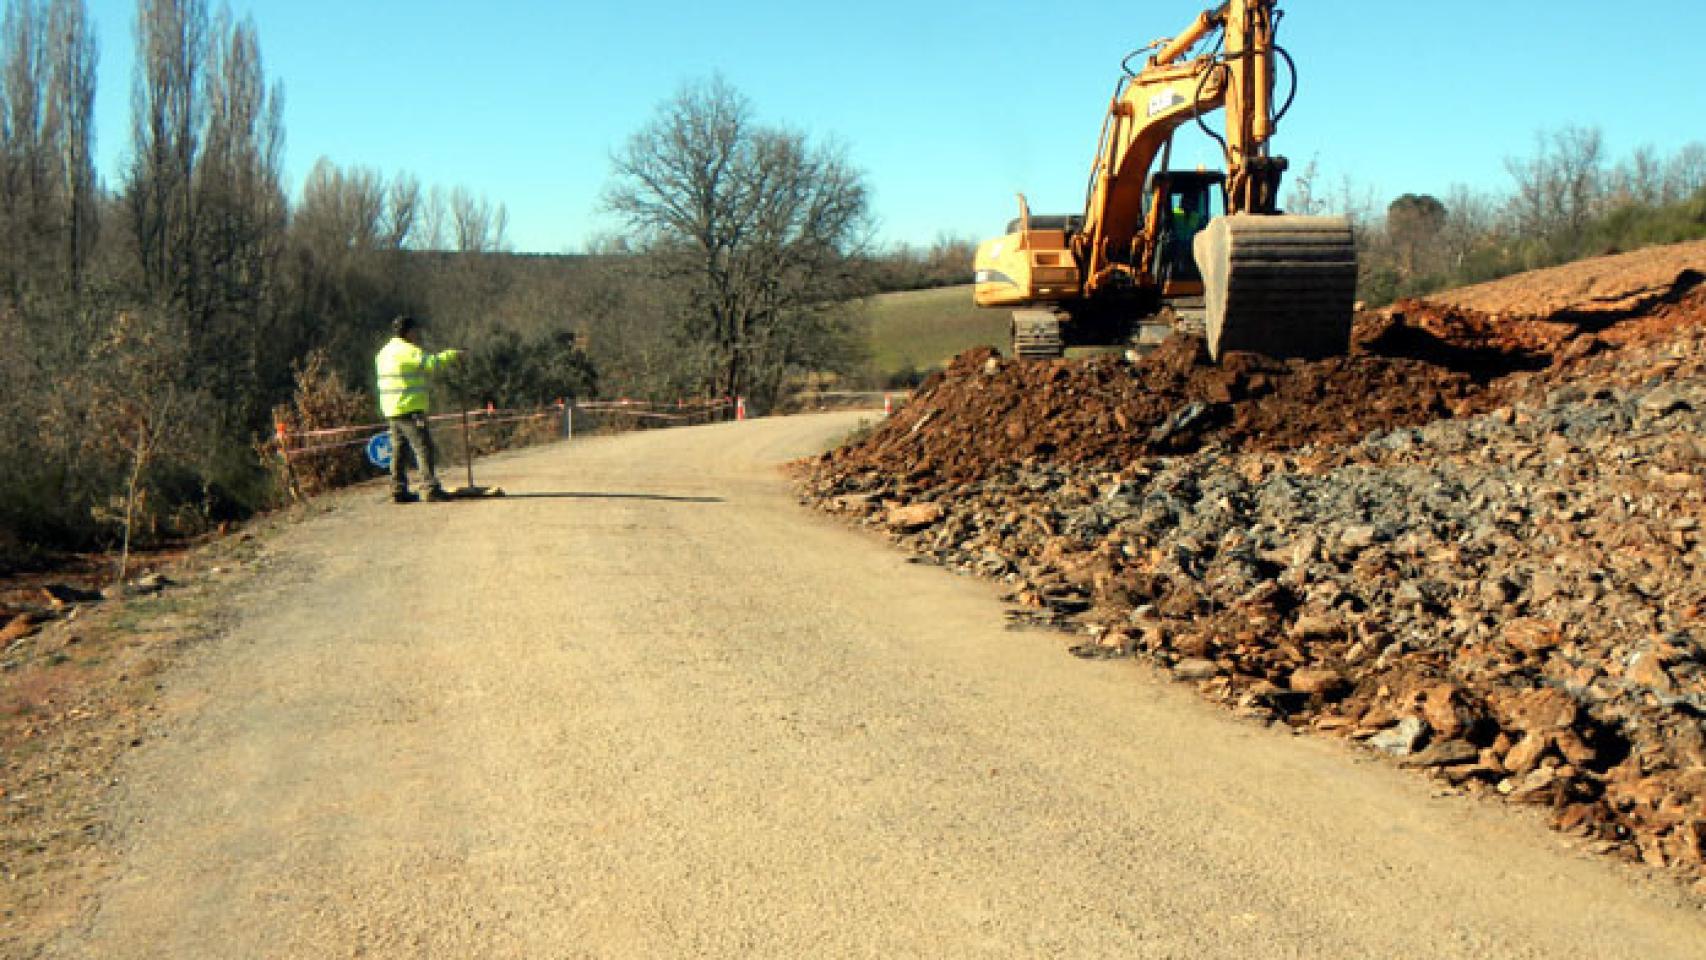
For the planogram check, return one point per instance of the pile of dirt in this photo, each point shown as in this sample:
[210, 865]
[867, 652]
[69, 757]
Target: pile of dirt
[1415, 362]
[1594, 290]
[1475, 546]
[1490, 345]
[984, 409]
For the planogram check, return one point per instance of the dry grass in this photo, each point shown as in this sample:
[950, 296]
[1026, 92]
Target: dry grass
[75, 697]
[321, 401]
[920, 330]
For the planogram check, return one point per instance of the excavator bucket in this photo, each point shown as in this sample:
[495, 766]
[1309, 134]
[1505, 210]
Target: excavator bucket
[1279, 285]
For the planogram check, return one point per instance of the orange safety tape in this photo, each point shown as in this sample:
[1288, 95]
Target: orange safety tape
[484, 415]
[483, 421]
[322, 448]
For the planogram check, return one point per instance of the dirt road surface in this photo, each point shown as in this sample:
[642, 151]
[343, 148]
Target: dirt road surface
[656, 709]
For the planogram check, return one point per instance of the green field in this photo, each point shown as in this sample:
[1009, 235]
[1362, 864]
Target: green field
[924, 329]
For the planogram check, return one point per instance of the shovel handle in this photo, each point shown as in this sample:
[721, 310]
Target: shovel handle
[467, 448]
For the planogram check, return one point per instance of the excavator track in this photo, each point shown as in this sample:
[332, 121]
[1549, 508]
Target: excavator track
[1036, 335]
[1279, 285]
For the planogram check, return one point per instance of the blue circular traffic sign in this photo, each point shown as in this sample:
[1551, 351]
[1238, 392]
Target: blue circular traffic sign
[379, 450]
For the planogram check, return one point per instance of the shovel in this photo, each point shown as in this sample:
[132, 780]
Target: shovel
[472, 491]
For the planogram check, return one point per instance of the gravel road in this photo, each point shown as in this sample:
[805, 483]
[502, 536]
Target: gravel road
[656, 709]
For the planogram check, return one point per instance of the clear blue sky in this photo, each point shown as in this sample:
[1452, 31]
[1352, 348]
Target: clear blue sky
[949, 109]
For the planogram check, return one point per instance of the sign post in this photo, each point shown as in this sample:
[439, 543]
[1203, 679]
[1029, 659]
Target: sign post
[379, 450]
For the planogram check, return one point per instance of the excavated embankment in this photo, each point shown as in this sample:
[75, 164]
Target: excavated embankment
[1474, 545]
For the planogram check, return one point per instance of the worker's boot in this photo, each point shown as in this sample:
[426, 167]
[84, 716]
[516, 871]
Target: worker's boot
[404, 496]
[437, 495]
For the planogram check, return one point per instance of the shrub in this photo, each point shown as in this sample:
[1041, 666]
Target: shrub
[321, 401]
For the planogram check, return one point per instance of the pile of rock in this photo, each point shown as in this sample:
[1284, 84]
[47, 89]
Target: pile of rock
[1512, 599]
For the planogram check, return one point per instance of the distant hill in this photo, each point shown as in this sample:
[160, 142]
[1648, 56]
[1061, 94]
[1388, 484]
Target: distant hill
[919, 330]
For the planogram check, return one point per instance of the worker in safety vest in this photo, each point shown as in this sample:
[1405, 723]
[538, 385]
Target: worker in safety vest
[403, 370]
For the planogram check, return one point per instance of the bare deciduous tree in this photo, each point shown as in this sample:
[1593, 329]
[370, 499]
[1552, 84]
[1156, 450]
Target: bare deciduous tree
[477, 225]
[1559, 186]
[47, 202]
[342, 210]
[136, 372]
[238, 220]
[1639, 179]
[1303, 196]
[1471, 218]
[349, 274]
[72, 57]
[1685, 175]
[402, 211]
[166, 113]
[206, 209]
[753, 227]
[24, 134]
[23, 151]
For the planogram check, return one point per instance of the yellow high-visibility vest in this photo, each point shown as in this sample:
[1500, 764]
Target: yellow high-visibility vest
[403, 369]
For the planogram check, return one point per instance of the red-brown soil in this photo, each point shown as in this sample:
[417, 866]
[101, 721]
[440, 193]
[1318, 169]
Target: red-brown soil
[1417, 361]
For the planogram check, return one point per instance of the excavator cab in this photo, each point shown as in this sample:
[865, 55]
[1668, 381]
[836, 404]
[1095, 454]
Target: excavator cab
[1181, 204]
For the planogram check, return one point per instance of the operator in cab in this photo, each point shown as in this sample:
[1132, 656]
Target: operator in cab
[403, 368]
[1189, 216]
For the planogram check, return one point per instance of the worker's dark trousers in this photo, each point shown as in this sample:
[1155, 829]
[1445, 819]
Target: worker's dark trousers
[412, 431]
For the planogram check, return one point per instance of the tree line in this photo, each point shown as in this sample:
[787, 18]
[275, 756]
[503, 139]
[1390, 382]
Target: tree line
[154, 326]
[1567, 199]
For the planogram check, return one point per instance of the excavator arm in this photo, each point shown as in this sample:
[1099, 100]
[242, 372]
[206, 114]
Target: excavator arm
[1147, 108]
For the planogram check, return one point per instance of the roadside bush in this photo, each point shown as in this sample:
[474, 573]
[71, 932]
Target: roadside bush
[908, 377]
[510, 371]
[321, 401]
[1635, 225]
[1624, 227]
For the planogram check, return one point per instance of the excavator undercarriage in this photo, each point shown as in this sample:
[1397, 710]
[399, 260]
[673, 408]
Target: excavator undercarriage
[1037, 335]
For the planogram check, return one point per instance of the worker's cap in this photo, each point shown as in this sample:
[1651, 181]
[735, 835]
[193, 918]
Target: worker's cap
[403, 324]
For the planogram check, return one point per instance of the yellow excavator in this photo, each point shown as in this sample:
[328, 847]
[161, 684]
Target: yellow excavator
[1204, 251]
